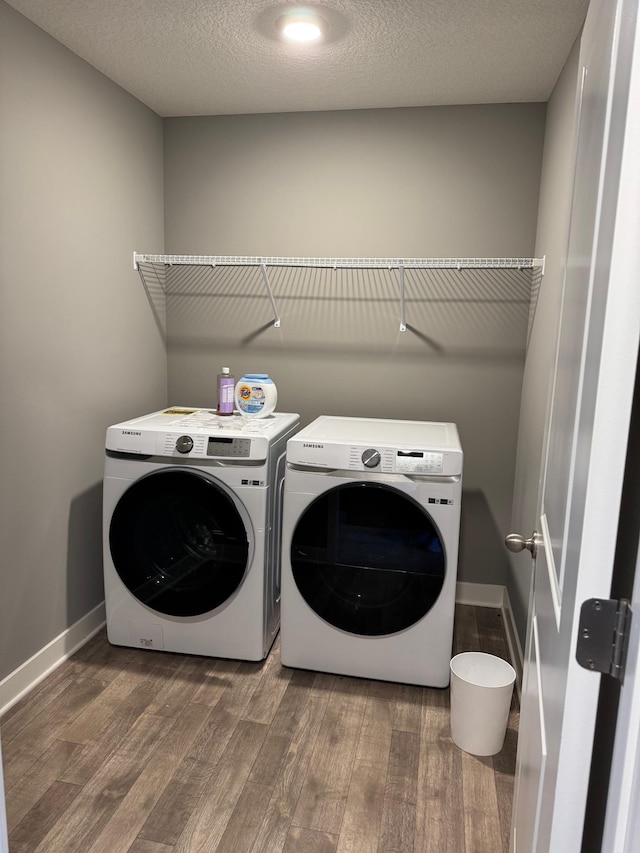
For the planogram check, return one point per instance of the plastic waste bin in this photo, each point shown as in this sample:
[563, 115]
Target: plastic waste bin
[481, 690]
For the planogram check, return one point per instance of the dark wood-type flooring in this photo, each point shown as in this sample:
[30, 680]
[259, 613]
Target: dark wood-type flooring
[149, 752]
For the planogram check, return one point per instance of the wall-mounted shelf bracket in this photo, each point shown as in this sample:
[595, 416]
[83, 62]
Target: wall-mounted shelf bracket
[403, 324]
[265, 277]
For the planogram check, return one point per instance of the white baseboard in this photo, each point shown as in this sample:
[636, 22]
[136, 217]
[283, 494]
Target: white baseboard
[495, 595]
[18, 683]
[480, 594]
[23, 679]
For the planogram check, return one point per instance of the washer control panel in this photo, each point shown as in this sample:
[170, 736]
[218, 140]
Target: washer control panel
[189, 434]
[202, 446]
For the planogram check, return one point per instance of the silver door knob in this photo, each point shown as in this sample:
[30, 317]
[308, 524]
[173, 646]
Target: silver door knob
[516, 543]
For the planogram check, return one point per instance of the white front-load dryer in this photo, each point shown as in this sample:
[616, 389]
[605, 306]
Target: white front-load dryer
[371, 524]
[191, 523]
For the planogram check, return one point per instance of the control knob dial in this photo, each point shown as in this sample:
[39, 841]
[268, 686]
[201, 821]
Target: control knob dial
[371, 458]
[184, 444]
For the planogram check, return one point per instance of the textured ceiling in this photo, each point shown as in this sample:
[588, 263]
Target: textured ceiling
[216, 57]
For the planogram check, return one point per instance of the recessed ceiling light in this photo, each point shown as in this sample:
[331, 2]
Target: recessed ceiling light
[301, 26]
[330, 25]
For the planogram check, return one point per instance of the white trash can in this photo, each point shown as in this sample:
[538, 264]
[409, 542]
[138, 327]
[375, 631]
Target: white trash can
[481, 690]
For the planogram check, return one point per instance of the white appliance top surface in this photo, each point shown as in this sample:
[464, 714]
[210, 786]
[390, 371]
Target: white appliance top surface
[378, 432]
[194, 422]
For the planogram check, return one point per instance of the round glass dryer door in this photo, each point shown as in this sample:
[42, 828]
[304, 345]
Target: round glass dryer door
[178, 543]
[368, 559]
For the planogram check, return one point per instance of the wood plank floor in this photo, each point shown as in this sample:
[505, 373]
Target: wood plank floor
[148, 752]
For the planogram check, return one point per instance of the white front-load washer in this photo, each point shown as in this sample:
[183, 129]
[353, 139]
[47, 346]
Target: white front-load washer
[191, 524]
[370, 533]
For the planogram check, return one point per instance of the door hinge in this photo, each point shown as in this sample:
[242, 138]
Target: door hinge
[603, 634]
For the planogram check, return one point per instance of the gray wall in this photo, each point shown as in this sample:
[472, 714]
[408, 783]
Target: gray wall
[551, 241]
[82, 184]
[425, 182]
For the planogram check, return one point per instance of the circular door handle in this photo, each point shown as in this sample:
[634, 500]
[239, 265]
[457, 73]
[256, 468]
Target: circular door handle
[517, 543]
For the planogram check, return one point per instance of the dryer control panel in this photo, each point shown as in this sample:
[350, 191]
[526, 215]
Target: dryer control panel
[386, 460]
[412, 448]
[396, 461]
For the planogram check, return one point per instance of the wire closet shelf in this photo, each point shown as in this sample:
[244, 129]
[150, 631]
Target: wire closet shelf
[398, 265]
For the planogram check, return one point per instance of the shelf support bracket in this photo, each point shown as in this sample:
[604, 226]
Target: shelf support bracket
[403, 324]
[265, 277]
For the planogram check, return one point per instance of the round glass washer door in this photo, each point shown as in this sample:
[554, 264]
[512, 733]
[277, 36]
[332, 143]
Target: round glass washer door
[368, 559]
[179, 543]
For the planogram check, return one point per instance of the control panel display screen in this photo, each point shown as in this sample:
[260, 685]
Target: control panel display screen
[229, 448]
[419, 461]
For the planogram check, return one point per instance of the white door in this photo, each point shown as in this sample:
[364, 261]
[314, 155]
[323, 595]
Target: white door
[622, 820]
[585, 443]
